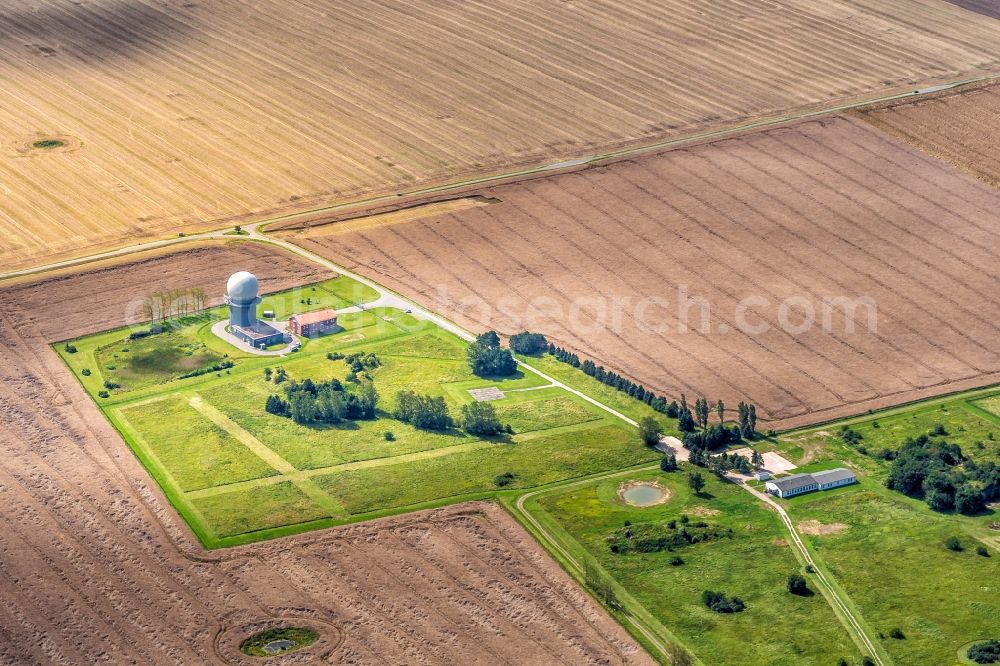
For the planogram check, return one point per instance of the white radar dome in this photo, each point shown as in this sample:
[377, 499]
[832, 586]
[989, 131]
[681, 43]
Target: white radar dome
[242, 286]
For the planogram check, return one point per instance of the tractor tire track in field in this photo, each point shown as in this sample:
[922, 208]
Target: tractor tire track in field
[182, 118]
[777, 213]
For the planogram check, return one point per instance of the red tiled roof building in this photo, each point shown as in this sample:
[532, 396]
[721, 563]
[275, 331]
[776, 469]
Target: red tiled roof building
[313, 324]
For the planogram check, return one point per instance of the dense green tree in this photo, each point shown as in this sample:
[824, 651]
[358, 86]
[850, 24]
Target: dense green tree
[969, 500]
[668, 463]
[701, 412]
[649, 430]
[797, 585]
[488, 359]
[480, 418]
[422, 411]
[528, 343]
[696, 481]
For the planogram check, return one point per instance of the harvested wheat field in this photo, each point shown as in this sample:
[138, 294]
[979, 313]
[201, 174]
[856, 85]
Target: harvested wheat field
[986, 7]
[790, 219]
[962, 127]
[122, 121]
[95, 566]
[110, 294]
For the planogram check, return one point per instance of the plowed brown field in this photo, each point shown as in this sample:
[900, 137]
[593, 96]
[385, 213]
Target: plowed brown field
[986, 7]
[962, 128]
[95, 567]
[813, 211]
[179, 115]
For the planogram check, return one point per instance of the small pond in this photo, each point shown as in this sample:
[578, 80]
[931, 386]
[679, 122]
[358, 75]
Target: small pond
[643, 494]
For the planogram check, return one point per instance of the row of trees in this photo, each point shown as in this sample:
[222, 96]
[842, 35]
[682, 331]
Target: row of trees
[162, 305]
[423, 411]
[938, 472]
[324, 402]
[431, 413]
[688, 421]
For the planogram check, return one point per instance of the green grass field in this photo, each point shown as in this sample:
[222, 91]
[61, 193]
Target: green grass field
[776, 627]
[337, 293]
[889, 555]
[238, 474]
[884, 550]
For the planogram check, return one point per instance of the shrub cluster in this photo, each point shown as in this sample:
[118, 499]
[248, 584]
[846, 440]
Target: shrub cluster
[797, 585]
[324, 402]
[504, 479]
[719, 603]
[423, 411]
[987, 652]
[938, 472]
[652, 538]
[360, 362]
[218, 367]
[155, 329]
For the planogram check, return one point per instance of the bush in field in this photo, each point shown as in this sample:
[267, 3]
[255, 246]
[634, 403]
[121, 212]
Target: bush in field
[528, 343]
[85, 372]
[953, 544]
[718, 602]
[70, 349]
[504, 479]
[797, 585]
[982, 552]
[987, 652]
[423, 411]
[480, 418]
[897, 633]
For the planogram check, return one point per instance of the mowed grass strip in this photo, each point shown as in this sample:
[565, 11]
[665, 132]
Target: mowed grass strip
[535, 461]
[776, 627]
[541, 409]
[197, 452]
[258, 508]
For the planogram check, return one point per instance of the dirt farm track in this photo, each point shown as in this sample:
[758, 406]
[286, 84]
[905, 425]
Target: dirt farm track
[95, 567]
[814, 211]
[175, 116]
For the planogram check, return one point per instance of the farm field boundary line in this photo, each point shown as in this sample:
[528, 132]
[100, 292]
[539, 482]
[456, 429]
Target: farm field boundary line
[400, 200]
[366, 207]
